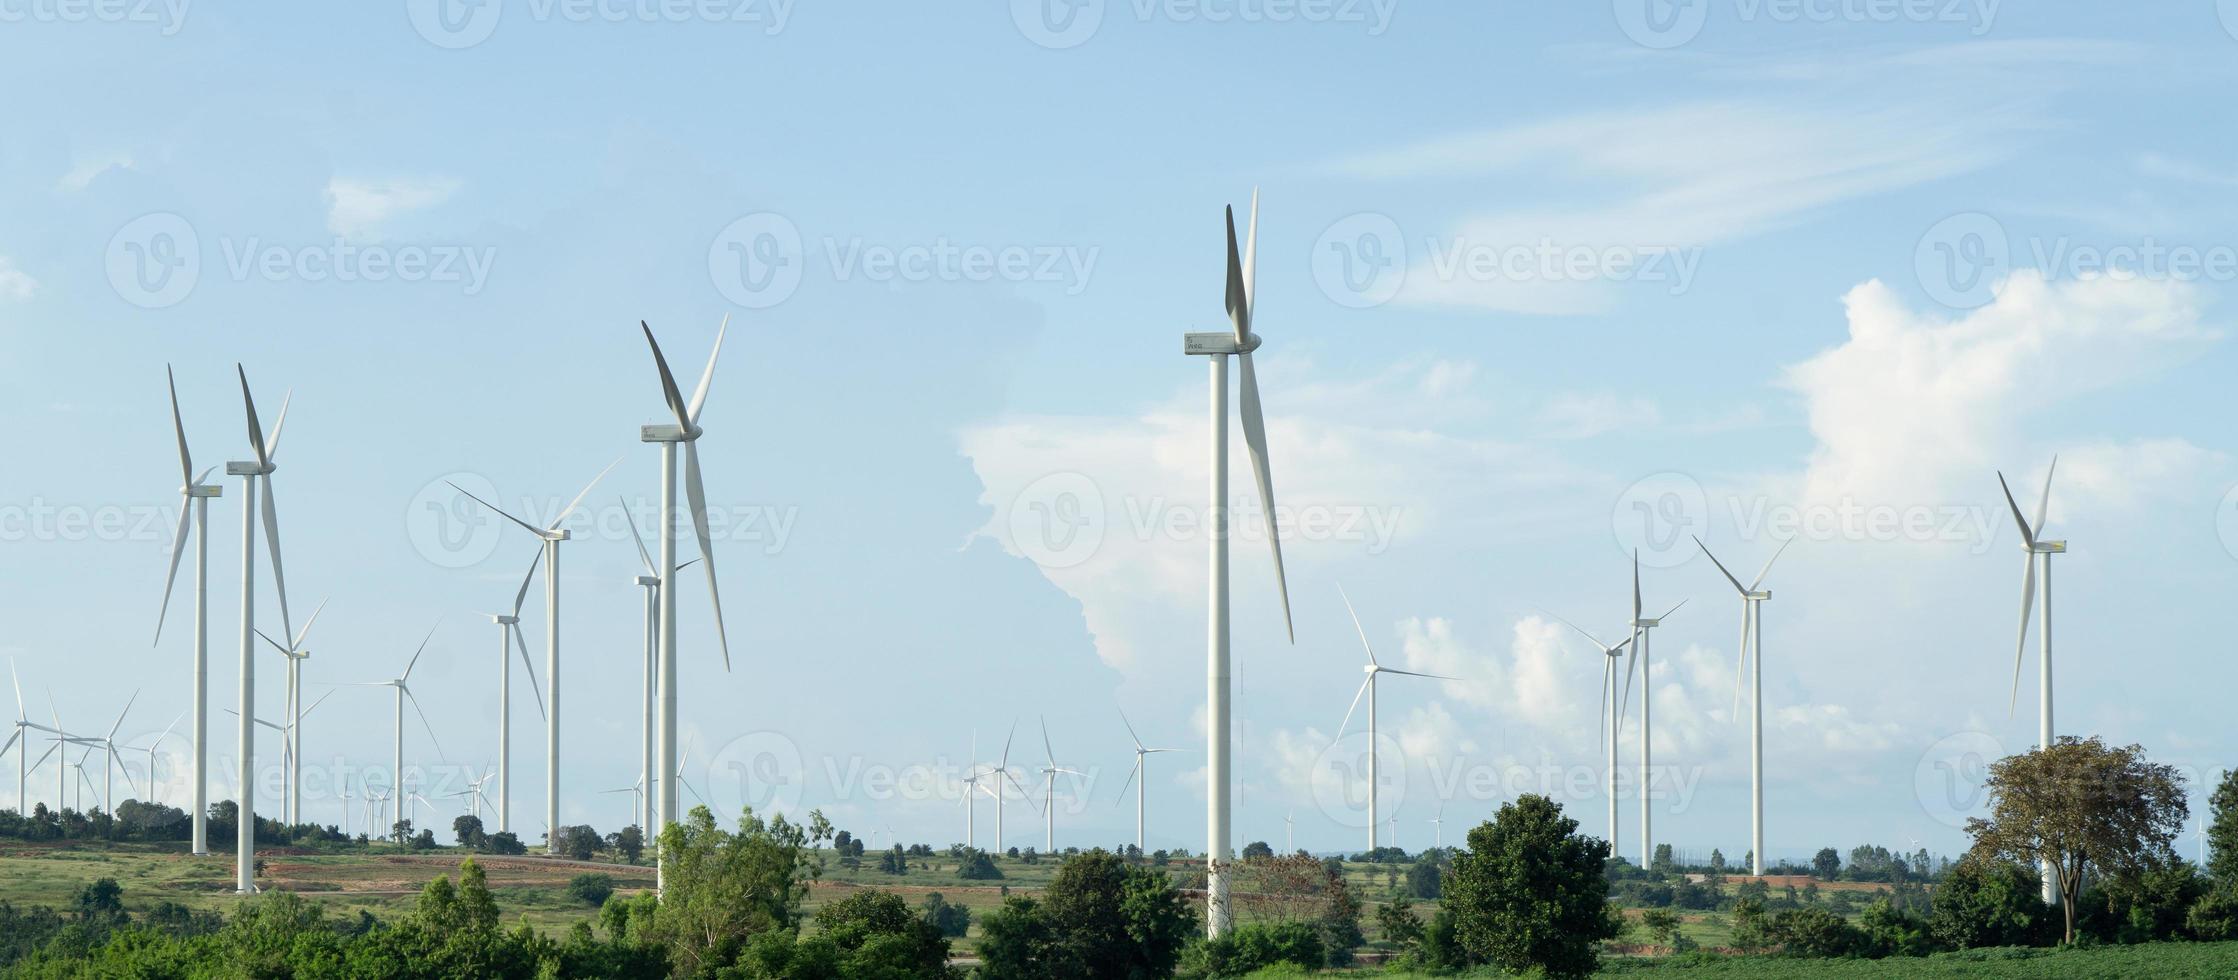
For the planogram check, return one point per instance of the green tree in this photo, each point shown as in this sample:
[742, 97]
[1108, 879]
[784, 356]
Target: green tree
[1257, 849]
[721, 888]
[1661, 925]
[468, 829]
[1100, 918]
[2077, 803]
[1529, 893]
[1827, 863]
[951, 918]
[591, 888]
[1985, 901]
[2222, 832]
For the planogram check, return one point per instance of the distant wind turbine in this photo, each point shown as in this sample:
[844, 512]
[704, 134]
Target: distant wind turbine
[1142, 762]
[1367, 690]
[296, 654]
[509, 636]
[1611, 716]
[2039, 550]
[254, 474]
[198, 494]
[402, 685]
[1752, 639]
[1049, 775]
[1641, 629]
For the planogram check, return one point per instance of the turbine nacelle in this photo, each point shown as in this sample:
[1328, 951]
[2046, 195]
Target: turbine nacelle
[2048, 548]
[649, 581]
[249, 468]
[504, 620]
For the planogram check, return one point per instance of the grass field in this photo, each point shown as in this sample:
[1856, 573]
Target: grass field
[534, 889]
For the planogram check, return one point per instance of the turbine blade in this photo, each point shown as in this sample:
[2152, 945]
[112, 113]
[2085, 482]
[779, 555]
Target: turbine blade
[1737, 586]
[2043, 503]
[424, 723]
[522, 596]
[1251, 263]
[1255, 440]
[2027, 534]
[707, 377]
[272, 440]
[1356, 696]
[1740, 669]
[1624, 707]
[171, 578]
[1005, 743]
[1239, 310]
[1050, 752]
[408, 665]
[256, 429]
[1130, 728]
[1600, 720]
[1356, 627]
[13, 737]
[178, 428]
[120, 715]
[668, 383]
[531, 528]
[637, 538]
[1635, 585]
[527, 663]
[572, 504]
[1410, 673]
[2020, 646]
[1668, 612]
[272, 545]
[696, 495]
[315, 704]
[1776, 553]
[1597, 644]
[306, 630]
[1122, 797]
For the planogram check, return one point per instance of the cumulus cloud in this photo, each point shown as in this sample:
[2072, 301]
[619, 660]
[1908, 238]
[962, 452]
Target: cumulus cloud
[15, 284]
[357, 207]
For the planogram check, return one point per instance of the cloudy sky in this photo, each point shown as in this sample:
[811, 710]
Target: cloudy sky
[1539, 289]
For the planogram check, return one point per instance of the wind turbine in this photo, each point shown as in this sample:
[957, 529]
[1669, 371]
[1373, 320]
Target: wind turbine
[1049, 788]
[194, 496]
[1437, 825]
[20, 740]
[153, 783]
[1141, 762]
[402, 684]
[636, 793]
[1216, 347]
[651, 583]
[1289, 832]
[296, 654]
[1641, 629]
[346, 797]
[509, 635]
[1003, 772]
[685, 432]
[1752, 638]
[2037, 550]
[1367, 690]
[473, 793]
[1610, 711]
[551, 535]
[253, 474]
[108, 746]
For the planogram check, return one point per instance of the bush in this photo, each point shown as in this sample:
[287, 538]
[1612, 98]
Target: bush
[1987, 902]
[1099, 918]
[1249, 948]
[1890, 931]
[951, 919]
[975, 865]
[591, 888]
[1816, 932]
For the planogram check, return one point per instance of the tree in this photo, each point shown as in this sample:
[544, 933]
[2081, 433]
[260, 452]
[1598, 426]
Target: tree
[1985, 901]
[591, 888]
[577, 841]
[1662, 861]
[893, 862]
[975, 865]
[722, 888]
[2079, 803]
[1257, 849]
[1100, 918]
[629, 842]
[1305, 890]
[1826, 864]
[2222, 832]
[1662, 926]
[952, 919]
[468, 829]
[1717, 861]
[401, 831]
[504, 843]
[1530, 892]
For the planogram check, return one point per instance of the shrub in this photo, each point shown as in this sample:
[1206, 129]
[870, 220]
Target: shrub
[1988, 902]
[951, 919]
[591, 888]
[1258, 946]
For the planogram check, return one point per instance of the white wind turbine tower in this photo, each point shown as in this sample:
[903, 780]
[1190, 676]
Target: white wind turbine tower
[1142, 762]
[509, 635]
[194, 496]
[1289, 832]
[346, 796]
[2038, 550]
[686, 432]
[292, 809]
[1752, 639]
[1002, 772]
[402, 684]
[253, 474]
[1611, 716]
[20, 740]
[1367, 690]
[1641, 634]
[1216, 347]
[1049, 788]
[651, 583]
[551, 535]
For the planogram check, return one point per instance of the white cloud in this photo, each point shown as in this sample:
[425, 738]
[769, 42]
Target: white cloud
[1912, 407]
[1583, 416]
[83, 171]
[357, 207]
[15, 284]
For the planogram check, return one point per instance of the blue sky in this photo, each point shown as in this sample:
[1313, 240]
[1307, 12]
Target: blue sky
[1811, 270]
